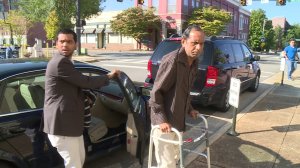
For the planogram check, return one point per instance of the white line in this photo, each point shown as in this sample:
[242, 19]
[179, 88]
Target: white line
[124, 66]
[268, 72]
[264, 76]
[143, 62]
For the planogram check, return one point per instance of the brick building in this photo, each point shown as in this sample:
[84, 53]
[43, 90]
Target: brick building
[174, 15]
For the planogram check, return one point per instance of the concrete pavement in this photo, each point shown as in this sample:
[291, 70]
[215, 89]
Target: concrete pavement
[269, 131]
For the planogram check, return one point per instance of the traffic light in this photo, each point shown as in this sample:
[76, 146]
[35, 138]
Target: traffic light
[243, 2]
[141, 2]
[280, 2]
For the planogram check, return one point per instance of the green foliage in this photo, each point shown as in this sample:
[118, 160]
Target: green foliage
[19, 24]
[39, 10]
[269, 35]
[256, 29]
[278, 37]
[36, 10]
[292, 32]
[211, 20]
[134, 22]
[52, 25]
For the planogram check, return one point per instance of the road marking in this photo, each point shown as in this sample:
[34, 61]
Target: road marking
[124, 66]
[268, 72]
[264, 76]
[144, 62]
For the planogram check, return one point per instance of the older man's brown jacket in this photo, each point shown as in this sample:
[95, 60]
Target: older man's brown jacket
[170, 96]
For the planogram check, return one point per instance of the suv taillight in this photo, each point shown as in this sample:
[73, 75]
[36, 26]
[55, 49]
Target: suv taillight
[149, 68]
[211, 76]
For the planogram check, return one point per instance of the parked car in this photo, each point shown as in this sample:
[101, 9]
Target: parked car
[119, 116]
[14, 52]
[223, 58]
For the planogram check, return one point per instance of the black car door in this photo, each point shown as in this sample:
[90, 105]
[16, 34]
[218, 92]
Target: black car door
[137, 126]
[21, 101]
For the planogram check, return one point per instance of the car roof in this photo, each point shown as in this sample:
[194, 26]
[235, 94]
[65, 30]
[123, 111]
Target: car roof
[10, 67]
[209, 38]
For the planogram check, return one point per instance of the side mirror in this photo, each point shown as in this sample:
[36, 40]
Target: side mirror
[256, 58]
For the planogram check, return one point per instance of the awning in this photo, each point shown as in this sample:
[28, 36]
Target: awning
[108, 31]
[89, 30]
[99, 30]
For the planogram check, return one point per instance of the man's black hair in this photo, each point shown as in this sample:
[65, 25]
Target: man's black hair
[186, 33]
[292, 39]
[67, 31]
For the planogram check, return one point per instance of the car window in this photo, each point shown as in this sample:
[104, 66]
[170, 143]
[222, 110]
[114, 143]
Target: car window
[131, 91]
[112, 90]
[223, 54]
[164, 48]
[205, 57]
[238, 53]
[23, 93]
[247, 52]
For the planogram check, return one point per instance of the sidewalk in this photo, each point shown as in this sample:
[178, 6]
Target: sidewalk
[269, 132]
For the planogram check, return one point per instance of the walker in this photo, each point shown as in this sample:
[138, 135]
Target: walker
[180, 143]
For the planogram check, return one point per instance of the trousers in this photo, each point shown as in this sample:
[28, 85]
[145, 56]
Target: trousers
[292, 65]
[71, 149]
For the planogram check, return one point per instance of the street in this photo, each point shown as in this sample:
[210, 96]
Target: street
[135, 65]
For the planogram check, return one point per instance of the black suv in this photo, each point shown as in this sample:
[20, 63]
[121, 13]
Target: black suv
[223, 58]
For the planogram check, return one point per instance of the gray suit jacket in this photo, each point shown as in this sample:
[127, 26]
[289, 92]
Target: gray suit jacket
[64, 99]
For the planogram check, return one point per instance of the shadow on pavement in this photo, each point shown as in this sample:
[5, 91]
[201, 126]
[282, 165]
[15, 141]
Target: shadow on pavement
[242, 154]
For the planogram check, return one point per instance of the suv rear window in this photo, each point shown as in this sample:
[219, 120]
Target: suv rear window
[164, 48]
[168, 46]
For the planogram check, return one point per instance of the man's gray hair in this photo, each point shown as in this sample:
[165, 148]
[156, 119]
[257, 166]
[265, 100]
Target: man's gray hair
[186, 33]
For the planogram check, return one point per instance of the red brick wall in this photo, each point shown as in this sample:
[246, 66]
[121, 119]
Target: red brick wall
[123, 47]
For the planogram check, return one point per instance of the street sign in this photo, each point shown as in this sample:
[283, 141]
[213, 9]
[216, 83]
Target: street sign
[234, 92]
[282, 64]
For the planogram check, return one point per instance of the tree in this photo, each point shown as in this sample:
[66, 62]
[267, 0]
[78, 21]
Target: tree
[17, 23]
[134, 22]
[256, 33]
[52, 25]
[39, 10]
[211, 20]
[278, 36]
[292, 32]
[269, 35]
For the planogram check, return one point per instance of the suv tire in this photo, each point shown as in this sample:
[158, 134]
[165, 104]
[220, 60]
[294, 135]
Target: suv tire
[225, 106]
[255, 84]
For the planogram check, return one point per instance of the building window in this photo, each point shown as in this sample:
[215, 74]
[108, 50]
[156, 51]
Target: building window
[241, 22]
[155, 5]
[172, 6]
[185, 6]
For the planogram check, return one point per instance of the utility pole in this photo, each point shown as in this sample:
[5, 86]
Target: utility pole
[78, 27]
[11, 41]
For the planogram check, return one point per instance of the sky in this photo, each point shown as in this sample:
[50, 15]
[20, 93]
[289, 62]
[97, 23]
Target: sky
[291, 11]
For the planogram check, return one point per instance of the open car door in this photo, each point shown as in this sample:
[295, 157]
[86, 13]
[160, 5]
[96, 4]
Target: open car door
[138, 125]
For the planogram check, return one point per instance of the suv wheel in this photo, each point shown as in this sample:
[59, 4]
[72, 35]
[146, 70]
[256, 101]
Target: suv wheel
[225, 106]
[255, 84]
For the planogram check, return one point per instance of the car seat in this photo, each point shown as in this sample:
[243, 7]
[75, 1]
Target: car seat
[29, 97]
